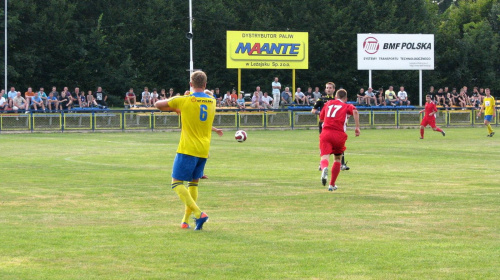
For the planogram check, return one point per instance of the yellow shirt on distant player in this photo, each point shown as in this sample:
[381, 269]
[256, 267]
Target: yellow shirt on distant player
[489, 105]
[197, 116]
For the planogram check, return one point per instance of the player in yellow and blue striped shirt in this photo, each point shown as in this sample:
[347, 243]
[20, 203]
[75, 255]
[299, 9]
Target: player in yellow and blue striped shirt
[489, 111]
[198, 111]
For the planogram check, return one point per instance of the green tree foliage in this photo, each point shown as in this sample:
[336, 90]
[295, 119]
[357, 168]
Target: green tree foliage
[467, 45]
[122, 44]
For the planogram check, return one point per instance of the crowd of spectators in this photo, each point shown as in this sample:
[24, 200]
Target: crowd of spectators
[442, 97]
[14, 101]
[54, 101]
[457, 98]
[382, 98]
[282, 96]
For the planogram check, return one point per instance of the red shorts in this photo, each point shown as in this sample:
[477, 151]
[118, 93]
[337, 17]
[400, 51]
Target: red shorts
[332, 142]
[428, 121]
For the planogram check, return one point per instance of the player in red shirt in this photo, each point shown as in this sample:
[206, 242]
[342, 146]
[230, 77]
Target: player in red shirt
[330, 95]
[429, 117]
[334, 116]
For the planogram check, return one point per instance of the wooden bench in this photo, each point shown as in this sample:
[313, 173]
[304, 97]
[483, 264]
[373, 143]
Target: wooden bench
[138, 104]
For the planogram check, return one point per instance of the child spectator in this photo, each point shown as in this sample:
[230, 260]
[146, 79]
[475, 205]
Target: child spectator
[234, 98]
[380, 96]
[90, 99]
[163, 94]
[82, 101]
[146, 97]
[154, 96]
[227, 99]
[241, 102]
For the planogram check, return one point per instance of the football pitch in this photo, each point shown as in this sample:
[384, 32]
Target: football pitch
[99, 206]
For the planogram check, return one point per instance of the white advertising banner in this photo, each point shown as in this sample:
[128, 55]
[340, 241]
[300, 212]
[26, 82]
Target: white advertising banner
[395, 51]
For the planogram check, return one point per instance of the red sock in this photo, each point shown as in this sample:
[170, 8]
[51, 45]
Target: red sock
[335, 173]
[439, 129]
[422, 132]
[324, 163]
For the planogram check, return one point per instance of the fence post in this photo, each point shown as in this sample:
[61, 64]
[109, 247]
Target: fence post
[397, 117]
[238, 119]
[31, 121]
[265, 118]
[92, 121]
[471, 118]
[371, 117]
[292, 117]
[123, 120]
[151, 121]
[473, 115]
[62, 120]
[448, 119]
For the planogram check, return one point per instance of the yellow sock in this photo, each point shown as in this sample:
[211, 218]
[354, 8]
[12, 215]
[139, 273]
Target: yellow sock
[490, 130]
[184, 195]
[193, 191]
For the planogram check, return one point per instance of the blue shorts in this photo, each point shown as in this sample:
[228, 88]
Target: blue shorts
[488, 117]
[188, 168]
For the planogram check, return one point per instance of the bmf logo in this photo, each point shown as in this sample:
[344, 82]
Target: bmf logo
[370, 45]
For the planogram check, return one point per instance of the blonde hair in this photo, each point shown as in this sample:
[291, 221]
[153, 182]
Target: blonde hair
[199, 79]
[331, 83]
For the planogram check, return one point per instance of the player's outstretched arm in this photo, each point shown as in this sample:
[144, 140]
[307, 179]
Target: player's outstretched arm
[162, 105]
[357, 131]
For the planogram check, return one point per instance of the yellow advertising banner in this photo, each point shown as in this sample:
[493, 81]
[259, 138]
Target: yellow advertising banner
[267, 50]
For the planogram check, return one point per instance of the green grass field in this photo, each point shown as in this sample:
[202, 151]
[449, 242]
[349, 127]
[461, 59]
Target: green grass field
[99, 206]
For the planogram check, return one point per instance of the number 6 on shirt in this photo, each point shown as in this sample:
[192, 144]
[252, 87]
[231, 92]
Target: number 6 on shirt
[203, 113]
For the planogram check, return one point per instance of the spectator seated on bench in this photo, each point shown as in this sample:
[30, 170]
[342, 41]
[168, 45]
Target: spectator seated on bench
[130, 98]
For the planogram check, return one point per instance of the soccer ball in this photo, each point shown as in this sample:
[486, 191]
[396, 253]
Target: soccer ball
[240, 136]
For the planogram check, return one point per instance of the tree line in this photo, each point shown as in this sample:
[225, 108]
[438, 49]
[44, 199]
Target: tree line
[127, 43]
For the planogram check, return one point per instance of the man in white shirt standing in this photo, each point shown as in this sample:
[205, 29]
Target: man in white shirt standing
[276, 93]
[403, 97]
